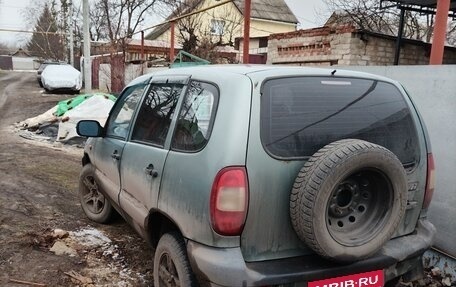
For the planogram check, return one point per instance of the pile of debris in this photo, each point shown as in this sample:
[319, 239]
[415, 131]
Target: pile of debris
[59, 122]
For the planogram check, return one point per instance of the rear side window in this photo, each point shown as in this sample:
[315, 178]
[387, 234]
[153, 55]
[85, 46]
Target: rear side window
[196, 117]
[301, 115]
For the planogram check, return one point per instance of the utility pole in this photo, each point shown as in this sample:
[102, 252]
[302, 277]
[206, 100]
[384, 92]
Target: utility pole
[142, 52]
[400, 35]
[247, 12]
[87, 62]
[71, 35]
[171, 48]
[64, 11]
[440, 31]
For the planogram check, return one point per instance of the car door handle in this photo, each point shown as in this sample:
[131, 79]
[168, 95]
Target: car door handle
[115, 155]
[151, 171]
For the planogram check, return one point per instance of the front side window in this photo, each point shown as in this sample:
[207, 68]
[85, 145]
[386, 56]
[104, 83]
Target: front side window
[122, 113]
[195, 118]
[156, 112]
[301, 115]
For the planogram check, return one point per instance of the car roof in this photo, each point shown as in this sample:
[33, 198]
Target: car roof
[59, 68]
[257, 72]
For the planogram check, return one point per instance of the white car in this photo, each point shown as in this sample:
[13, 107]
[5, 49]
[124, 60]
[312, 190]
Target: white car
[61, 78]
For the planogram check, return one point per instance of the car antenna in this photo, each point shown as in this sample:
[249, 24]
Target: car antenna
[333, 72]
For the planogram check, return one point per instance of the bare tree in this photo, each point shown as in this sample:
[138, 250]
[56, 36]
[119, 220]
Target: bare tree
[228, 25]
[98, 22]
[451, 35]
[189, 28]
[200, 37]
[363, 14]
[115, 20]
[368, 15]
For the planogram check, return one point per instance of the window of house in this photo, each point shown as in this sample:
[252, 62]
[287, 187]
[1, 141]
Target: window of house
[263, 42]
[119, 122]
[196, 117]
[156, 112]
[217, 27]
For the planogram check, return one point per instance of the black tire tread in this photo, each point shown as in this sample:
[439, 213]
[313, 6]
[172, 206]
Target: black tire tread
[109, 213]
[312, 175]
[175, 244]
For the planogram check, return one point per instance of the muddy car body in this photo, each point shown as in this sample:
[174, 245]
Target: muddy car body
[265, 176]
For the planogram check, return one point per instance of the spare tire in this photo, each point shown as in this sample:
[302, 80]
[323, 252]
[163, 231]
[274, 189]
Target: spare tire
[348, 199]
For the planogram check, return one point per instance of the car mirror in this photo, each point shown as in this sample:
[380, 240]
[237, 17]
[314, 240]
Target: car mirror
[89, 128]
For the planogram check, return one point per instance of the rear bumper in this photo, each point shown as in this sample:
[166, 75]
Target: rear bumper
[226, 266]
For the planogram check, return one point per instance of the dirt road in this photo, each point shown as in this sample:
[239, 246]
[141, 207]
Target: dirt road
[38, 184]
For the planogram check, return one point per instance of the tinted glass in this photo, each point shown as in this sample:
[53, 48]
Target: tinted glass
[195, 118]
[156, 113]
[301, 115]
[122, 113]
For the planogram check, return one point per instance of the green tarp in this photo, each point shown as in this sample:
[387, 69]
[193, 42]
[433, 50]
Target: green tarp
[66, 105]
[184, 59]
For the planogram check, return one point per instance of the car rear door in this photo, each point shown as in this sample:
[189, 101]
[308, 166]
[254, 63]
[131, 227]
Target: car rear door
[145, 154]
[295, 117]
[108, 149]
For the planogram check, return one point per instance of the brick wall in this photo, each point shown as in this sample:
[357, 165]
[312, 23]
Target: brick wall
[346, 46]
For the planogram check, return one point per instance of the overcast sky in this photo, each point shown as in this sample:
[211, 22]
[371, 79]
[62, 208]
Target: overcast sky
[11, 17]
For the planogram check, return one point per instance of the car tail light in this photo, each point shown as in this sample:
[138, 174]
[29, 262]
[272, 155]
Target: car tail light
[430, 181]
[229, 201]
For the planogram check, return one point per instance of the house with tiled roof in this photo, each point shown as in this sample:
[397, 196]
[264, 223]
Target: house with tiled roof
[224, 24]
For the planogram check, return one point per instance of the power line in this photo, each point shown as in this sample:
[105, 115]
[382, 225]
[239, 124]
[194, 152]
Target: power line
[8, 26]
[306, 20]
[14, 7]
[31, 32]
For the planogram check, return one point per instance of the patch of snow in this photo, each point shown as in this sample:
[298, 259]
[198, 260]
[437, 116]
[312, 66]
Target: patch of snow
[91, 237]
[110, 266]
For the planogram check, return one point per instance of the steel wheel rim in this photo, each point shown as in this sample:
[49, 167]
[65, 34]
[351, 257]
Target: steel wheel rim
[359, 207]
[91, 196]
[167, 272]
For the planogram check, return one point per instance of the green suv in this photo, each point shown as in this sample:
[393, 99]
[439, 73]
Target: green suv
[265, 176]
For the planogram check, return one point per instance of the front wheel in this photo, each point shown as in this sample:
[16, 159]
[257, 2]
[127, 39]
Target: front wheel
[171, 265]
[94, 204]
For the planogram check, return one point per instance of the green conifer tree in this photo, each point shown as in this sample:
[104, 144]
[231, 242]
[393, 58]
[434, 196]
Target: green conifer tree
[47, 41]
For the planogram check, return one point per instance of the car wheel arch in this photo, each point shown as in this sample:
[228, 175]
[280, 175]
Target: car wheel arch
[86, 159]
[157, 224]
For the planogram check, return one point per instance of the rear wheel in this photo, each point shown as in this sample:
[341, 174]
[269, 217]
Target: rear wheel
[348, 199]
[171, 265]
[94, 204]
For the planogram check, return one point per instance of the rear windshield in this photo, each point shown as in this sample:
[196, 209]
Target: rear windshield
[301, 115]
